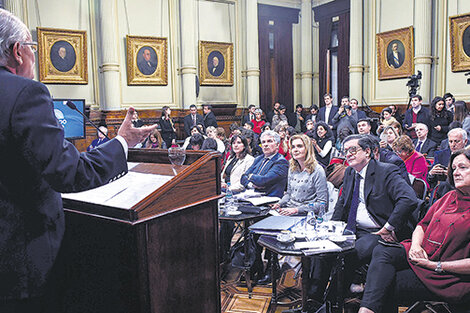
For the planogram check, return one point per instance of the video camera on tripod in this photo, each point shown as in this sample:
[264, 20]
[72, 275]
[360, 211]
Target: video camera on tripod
[413, 86]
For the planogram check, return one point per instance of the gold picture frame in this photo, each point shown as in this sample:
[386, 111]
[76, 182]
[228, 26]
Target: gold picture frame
[216, 63]
[395, 53]
[460, 42]
[62, 56]
[147, 60]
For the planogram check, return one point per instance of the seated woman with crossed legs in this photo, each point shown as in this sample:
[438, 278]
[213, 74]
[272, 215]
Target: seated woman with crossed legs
[435, 263]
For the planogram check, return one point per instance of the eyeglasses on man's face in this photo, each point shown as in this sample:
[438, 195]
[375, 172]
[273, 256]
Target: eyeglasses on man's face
[353, 150]
[33, 45]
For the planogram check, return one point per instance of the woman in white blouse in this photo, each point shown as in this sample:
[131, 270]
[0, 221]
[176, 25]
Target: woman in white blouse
[239, 161]
[306, 181]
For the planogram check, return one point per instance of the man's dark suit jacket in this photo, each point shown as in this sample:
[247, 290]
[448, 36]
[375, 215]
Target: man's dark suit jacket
[188, 123]
[391, 61]
[428, 147]
[146, 68]
[321, 115]
[210, 120]
[388, 198]
[272, 180]
[442, 157]
[36, 165]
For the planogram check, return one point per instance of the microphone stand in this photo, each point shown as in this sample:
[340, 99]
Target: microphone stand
[72, 105]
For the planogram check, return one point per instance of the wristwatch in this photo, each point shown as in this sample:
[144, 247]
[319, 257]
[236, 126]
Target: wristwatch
[438, 268]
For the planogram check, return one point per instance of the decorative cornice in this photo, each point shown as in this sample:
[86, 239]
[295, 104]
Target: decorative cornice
[187, 70]
[423, 59]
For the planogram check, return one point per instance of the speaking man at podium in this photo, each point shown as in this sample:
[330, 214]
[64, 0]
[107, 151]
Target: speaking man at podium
[36, 165]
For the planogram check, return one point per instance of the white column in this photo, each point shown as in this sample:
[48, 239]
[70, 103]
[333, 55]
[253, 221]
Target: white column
[188, 51]
[356, 67]
[109, 67]
[306, 48]
[15, 7]
[252, 52]
[423, 58]
[316, 66]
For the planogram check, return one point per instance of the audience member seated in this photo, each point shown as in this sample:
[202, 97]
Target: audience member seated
[299, 119]
[268, 174]
[457, 140]
[258, 122]
[312, 116]
[422, 143]
[336, 150]
[386, 119]
[322, 143]
[376, 203]
[309, 126]
[237, 164]
[306, 181]
[209, 144]
[196, 141]
[284, 145]
[270, 114]
[387, 137]
[252, 143]
[279, 117]
[445, 143]
[100, 140]
[440, 120]
[398, 128]
[415, 162]
[194, 130]
[364, 127]
[265, 127]
[211, 132]
[462, 115]
[155, 141]
[388, 156]
[396, 113]
[435, 263]
[416, 114]
[136, 121]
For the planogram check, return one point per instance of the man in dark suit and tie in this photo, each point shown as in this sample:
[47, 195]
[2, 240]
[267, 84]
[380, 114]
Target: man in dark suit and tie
[268, 174]
[327, 112]
[36, 165]
[192, 119]
[395, 58]
[423, 144]
[376, 203]
[250, 116]
[209, 117]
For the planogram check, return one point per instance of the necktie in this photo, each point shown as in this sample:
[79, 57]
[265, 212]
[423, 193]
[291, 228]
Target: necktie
[418, 147]
[262, 165]
[194, 120]
[354, 205]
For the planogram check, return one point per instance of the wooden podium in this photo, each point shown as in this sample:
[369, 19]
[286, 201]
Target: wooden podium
[159, 255]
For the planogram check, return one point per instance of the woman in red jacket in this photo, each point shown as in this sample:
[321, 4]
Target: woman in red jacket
[435, 263]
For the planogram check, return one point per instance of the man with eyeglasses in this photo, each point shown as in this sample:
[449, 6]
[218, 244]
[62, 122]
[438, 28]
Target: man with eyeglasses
[376, 203]
[36, 165]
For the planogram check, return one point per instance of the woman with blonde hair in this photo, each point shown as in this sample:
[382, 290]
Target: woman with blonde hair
[387, 137]
[306, 181]
[415, 162]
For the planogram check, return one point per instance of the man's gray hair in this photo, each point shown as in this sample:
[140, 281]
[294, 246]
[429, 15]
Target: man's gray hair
[423, 125]
[271, 133]
[12, 30]
[460, 131]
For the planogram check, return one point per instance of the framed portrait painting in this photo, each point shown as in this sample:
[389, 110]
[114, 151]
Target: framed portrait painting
[216, 63]
[146, 60]
[460, 42]
[395, 53]
[62, 56]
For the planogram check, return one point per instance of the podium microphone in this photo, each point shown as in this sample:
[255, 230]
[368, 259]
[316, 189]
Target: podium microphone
[72, 105]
